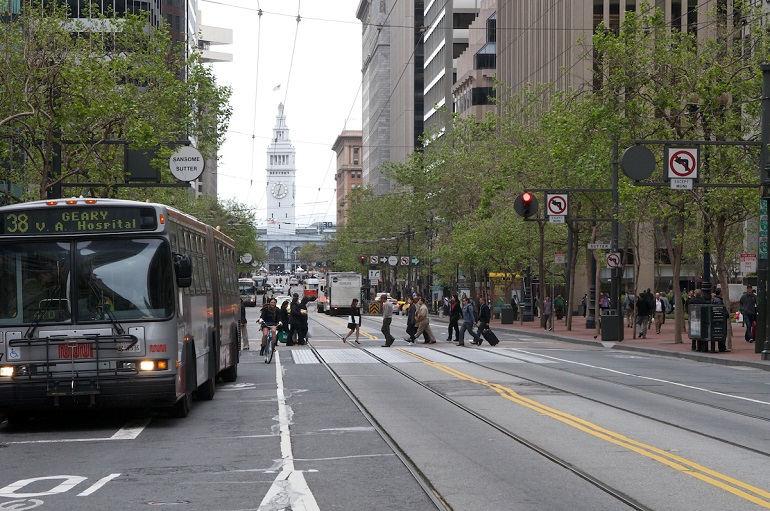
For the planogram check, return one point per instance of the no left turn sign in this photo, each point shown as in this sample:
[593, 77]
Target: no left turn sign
[556, 204]
[682, 163]
[613, 260]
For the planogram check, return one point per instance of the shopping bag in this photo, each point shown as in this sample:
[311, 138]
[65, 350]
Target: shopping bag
[283, 336]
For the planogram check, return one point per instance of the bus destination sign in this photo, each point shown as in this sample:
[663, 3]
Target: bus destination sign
[77, 220]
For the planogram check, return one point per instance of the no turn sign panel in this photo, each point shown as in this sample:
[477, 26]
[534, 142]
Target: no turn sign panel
[556, 204]
[613, 260]
[682, 163]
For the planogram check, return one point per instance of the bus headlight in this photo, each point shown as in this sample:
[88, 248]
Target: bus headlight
[6, 371]
[153, 365]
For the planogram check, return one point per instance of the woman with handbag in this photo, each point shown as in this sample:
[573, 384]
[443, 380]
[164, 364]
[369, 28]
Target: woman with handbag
[354, 321]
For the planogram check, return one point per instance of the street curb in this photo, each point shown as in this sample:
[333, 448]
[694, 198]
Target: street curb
[695, 356]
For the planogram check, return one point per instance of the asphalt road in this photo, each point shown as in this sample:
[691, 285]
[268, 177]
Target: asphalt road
[531, 424]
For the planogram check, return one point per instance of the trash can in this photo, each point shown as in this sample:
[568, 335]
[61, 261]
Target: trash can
[506, 315]
[611, 325]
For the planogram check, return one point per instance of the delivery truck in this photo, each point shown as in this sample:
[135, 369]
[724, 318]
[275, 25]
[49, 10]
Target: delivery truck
[341, 288]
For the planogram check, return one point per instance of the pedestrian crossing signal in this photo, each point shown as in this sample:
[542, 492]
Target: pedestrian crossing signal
[525, 205]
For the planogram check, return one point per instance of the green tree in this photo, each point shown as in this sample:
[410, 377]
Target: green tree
[71, 88]
[667, 84]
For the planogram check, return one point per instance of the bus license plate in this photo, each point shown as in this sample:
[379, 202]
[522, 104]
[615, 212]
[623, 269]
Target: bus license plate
[128, 348]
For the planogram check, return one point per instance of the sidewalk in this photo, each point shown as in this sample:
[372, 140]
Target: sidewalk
[742, 352]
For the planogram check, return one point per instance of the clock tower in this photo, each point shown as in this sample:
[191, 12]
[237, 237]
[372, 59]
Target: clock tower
[281, 192]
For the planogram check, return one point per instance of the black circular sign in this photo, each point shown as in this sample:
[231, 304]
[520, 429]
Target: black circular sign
[638, 163]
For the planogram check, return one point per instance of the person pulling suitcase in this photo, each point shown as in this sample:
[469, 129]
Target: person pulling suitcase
[485, 315]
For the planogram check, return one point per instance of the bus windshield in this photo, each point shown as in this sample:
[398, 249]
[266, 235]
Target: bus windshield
[85, 281]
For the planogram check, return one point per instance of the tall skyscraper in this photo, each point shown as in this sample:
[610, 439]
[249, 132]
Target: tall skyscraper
[281, 176]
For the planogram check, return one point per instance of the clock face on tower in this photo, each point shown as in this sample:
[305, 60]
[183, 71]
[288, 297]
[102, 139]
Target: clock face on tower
[280, 190]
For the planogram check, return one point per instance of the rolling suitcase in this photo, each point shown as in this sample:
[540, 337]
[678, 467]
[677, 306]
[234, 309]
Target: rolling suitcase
[490, 336]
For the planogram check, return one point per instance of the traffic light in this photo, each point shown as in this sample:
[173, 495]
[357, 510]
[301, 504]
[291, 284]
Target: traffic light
[362, 259]
[525, 205]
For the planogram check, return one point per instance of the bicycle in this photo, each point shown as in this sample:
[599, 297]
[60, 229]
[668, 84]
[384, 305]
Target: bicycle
[269, 349]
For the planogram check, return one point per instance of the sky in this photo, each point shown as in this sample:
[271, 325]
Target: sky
[316, 66]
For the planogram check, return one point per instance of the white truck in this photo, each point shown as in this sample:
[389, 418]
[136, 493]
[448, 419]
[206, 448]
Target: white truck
[341, 288]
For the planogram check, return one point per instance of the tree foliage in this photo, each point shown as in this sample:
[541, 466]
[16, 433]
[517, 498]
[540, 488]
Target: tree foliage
[75, 87]
[652, 82]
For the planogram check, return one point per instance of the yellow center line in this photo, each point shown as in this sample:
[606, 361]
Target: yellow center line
[671, 460]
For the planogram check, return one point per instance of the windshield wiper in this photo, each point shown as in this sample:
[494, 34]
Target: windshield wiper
[49, 305]
[100, 300]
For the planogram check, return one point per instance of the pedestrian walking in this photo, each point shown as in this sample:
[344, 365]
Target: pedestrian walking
[304, 327]
[628, 306]
[468, 321]
[515, 306]
[559, 306]
[547, 316]
[454, 318]
[411, 326]
[485, 315]
[354, 321]
[387, 319]
[295, 321]
[422, 320]
[242, 326]
[748, 306]
[283, 312]
[660, 313]
[643, 310]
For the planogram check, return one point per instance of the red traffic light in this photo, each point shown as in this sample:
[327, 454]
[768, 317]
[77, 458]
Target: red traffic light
[525, 205]
[362, 259]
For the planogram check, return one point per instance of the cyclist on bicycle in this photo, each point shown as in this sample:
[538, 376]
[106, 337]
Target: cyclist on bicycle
[270, 319]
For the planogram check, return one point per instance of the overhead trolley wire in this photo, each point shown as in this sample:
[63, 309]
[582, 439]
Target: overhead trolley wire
[256, 90]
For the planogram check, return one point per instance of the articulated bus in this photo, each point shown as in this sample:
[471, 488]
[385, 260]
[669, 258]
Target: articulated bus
[112, 303]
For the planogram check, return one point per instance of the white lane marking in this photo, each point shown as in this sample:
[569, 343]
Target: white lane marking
[649, 378]
[128, 432]
[131, 430]
[289, 489]
[98, 484]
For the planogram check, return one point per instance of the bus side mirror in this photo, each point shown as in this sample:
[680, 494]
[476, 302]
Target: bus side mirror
[183, 270]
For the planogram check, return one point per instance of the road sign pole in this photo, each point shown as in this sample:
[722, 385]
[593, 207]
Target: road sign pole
[616, 273]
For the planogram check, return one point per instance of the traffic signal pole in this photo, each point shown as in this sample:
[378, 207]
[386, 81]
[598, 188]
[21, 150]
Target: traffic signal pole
[763, 312]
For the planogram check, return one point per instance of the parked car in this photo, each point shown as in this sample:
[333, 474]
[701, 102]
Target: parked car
[393, 301]
[279, 299]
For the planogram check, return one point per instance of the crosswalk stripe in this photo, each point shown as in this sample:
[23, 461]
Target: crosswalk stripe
[350, 355]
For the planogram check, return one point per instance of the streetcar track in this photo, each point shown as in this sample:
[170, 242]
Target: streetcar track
[628, 410]
[421, 479]
[618, 407]
[424, 481]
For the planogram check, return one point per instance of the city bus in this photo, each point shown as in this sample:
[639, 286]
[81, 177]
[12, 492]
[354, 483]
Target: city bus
[110, 303]
[248, 291]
